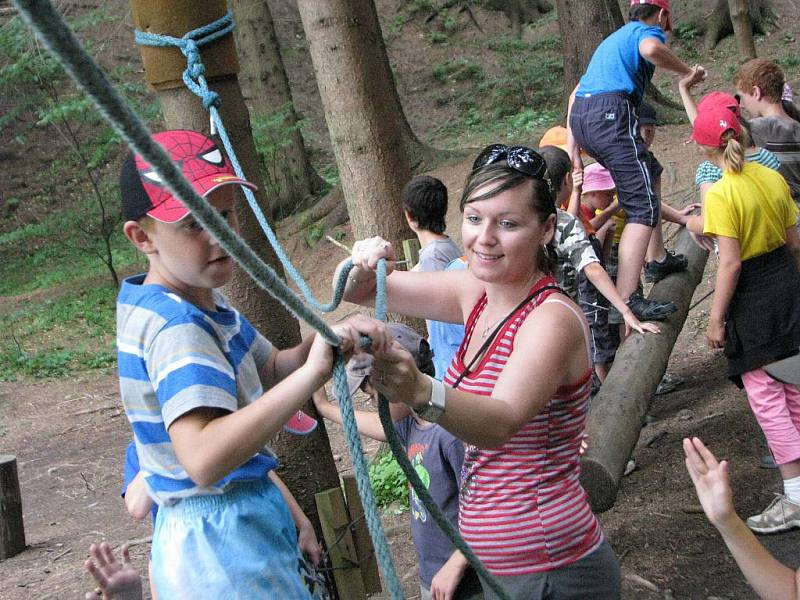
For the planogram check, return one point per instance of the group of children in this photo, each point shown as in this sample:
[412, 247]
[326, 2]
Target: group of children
[205, 392]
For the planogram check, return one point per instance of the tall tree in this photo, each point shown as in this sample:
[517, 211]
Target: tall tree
[739, 16]
[742, 27]
[311, 466]
[371, 138]
[595, 20]
[289, 176]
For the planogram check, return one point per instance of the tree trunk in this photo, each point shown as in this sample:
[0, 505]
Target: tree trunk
[595, 20]
[309, 460]
[290, 178]
[719, 25]
[368, 130]
[520, 12]
[743, 28]
[12, 530]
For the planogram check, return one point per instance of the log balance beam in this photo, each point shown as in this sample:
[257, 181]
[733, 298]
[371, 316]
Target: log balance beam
[617, 413]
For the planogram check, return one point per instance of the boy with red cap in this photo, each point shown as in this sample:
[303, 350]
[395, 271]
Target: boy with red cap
[193, 374]
[603, 121]
[754, 315]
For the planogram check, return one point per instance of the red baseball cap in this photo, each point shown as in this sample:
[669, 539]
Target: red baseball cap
[719, 99]
[711, 123]
[661, 4]
[202, 163]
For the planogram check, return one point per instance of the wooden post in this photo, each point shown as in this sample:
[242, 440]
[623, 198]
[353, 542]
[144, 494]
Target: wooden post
[335, 522]
[411, 250]
[364, 548]
[12, 530]
[615, 419]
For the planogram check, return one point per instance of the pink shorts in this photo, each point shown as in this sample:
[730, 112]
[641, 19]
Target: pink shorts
[776, 406]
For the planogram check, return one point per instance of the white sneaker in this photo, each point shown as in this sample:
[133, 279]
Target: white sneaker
[780, 515]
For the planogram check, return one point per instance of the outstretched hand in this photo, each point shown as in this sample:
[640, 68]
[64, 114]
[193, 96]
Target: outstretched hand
[711, 481]
[695, 76]
[117, 580]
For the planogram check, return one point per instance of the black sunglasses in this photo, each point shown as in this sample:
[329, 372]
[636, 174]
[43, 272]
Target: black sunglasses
[520, 158]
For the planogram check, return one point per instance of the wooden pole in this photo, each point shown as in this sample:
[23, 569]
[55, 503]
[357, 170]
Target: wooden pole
[618, 411]
[338, 535]
[12, 530]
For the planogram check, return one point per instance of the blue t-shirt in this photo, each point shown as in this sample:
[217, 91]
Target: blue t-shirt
[617, 66]
[445, 338]
[437, 457]
[174, 357]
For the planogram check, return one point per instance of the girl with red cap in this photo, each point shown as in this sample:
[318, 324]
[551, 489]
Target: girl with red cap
[755, 315]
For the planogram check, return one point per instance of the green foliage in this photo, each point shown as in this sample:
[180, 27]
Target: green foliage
[330, 174]
[389, 483]
[55, 337]
[686, 31]
[314, 233]
[458, 69]
[789, 62]
[272, 134]
[437, 37]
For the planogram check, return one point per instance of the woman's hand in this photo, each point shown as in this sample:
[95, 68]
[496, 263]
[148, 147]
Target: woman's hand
[396, 376]
[366, 254]
[320, 356]
[715, 334]
[710, 480]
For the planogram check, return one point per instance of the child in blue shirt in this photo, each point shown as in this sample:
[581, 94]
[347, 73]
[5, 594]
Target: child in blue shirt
[193, 374]
[603, 121]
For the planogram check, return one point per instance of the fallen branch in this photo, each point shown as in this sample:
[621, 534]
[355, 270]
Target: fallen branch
[637, 580]
[89, 411]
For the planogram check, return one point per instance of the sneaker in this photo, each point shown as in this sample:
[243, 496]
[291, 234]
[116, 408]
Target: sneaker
[780, 515]
[767, 462]
[658, 269]
[644, 309]
[669, 383]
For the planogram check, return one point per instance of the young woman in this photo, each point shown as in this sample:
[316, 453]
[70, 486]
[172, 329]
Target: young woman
[755, 313]
[518, 389]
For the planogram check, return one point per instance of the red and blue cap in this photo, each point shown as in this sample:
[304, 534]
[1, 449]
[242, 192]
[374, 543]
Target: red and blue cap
[202, 163]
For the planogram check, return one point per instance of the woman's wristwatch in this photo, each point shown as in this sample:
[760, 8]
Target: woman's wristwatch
[435, 407]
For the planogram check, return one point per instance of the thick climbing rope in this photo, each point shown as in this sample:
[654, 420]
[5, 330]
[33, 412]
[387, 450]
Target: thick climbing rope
[61, 42]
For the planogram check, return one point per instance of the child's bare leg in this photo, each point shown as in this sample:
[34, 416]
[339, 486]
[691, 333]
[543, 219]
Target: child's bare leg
[601, 370]
[632, 249]
[655, 248]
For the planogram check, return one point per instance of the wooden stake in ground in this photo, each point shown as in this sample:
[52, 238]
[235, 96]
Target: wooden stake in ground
[12, 530]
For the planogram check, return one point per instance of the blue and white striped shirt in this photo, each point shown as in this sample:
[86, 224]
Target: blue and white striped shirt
[174, 357]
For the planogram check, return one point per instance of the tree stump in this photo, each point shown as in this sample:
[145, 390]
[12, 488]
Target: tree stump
[720, 24]
[12, 531]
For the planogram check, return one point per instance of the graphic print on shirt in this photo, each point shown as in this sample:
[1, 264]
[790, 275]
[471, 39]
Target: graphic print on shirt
[416, 452]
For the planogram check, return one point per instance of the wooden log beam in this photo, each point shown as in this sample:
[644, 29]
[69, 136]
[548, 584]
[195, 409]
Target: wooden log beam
[12, 531]
[618, 411]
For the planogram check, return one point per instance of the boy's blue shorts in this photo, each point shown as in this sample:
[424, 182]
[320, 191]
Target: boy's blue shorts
[607, 127]
[240, 544]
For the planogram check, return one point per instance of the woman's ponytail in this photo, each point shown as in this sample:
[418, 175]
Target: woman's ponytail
[732, 154]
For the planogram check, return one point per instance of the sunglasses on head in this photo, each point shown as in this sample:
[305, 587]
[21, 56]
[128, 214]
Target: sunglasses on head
[520, 158]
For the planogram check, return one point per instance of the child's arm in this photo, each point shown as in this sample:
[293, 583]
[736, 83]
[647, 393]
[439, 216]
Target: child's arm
[211, 443]
[572, 146]
[281, 363]
[120, 581]
[793, 243]
[679, 216]
[574, 204]
[600, 219]
[137, 502]
[685, 85]
[446, 580]
[661, 56]
[368, 423]
[768, 577]
[599, 278]
[306, 537]
[730, 264]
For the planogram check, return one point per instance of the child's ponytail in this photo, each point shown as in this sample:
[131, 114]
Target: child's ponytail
[733, 153]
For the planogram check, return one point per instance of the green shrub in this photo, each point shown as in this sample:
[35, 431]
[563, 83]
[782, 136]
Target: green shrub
[389, 483]
[458, 69]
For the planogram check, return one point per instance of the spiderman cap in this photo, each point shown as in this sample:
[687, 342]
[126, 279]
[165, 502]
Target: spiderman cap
[202, 163]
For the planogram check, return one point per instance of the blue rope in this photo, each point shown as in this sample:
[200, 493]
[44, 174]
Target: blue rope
[61, 42]
[195, 80]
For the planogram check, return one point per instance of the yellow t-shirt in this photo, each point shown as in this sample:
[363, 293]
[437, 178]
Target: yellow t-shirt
[753, 207]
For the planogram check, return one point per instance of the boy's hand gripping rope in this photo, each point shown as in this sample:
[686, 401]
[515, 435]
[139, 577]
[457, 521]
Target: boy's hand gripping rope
[58, 38]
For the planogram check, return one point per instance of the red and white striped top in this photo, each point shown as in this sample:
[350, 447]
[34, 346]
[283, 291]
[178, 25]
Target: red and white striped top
[522, 509]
